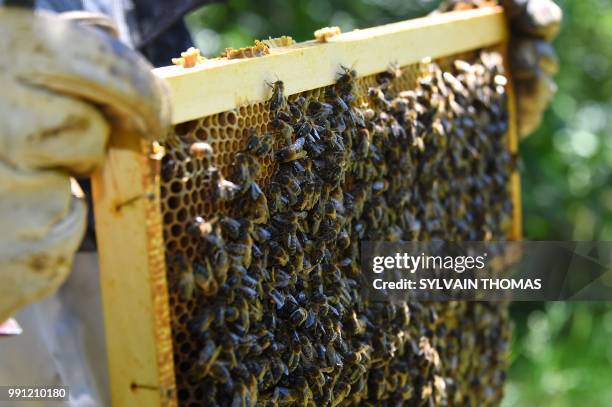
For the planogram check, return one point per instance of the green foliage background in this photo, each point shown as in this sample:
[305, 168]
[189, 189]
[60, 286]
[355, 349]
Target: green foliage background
[561, 352]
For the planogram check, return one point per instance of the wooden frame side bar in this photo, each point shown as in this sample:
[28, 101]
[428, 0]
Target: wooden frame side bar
[516, 232]
[219, 85]
[133, 275]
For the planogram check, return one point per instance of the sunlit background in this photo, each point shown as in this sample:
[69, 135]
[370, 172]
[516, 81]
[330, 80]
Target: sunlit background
[561, 352]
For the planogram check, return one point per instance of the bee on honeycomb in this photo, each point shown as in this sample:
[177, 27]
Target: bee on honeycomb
[264, 213]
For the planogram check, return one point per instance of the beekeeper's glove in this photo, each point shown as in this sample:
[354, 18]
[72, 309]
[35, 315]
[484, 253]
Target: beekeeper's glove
[64, 88]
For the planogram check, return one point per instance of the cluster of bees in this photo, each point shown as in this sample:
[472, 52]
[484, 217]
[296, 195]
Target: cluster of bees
[267, 309]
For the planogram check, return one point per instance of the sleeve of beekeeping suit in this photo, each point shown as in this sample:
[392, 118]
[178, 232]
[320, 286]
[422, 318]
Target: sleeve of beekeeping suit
[534, 24]
[65, 88]
[62, 342]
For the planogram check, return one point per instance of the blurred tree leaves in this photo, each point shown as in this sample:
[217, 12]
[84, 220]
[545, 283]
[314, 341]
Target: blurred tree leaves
[567, 162]
[561, 356]
[237, 23]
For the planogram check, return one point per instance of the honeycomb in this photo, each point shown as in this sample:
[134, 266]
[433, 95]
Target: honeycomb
[228, 350]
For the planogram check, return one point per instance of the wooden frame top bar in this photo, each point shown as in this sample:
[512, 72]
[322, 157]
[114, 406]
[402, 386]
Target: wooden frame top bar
[219, 84]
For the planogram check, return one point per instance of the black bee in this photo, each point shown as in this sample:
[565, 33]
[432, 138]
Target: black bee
[224, 190]
[206, 359]
[393, 72]
[257, 204]
[292, 152]
[378, 97]
[230, 227]
[338, 124]
[220, 372]
[278, 255]
[299, 316]
[260, 146]
[277, 100]
[295, 111]
[203, 277]
[249, 170]
[284, 116]
[284, 128]
[199, 227]
[336, 101]
[168, 169]
[320, 110]
[221, 264]
[186, 283]
[346, 75]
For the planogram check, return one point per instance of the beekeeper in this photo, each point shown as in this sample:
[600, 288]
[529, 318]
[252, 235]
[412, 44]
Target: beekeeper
[66, 83]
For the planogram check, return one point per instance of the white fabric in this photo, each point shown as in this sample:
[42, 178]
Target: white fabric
[62, 343]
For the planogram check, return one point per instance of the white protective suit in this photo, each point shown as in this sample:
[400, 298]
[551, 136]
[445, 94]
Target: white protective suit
[62, 343]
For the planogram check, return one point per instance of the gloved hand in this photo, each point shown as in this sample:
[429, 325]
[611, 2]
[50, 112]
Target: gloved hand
[65, 89]
[533, 62]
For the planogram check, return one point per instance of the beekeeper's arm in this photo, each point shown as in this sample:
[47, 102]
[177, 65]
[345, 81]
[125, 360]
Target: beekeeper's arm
[64, 88]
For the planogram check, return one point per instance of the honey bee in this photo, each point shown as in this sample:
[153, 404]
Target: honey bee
[278, 254]
[248, 170]
[203, 277]
[224, 190]
[341, 390]
[261, 234]
[221, 264]
[242, 395]
[208, 357]
[419, 143]
[339, 124]
[242, 250]
[378, 97]
[230, 227]
[393, 72]
[295, 111]
[257, 205]
[292, 152]
[285, 130]
[299, 316]
[220, 372]
[277, 100]
[380, 186]
[338, 104]
[346, 75]
[168, 169]
[278, 202]
[187, 284]
[320, 110]
[259, 146]
[343, 240]
[330, 226]
[199, 227]
[363, 144]
[284, 116]
[308, 197]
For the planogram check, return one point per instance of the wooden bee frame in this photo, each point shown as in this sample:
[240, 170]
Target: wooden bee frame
[126, 190]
